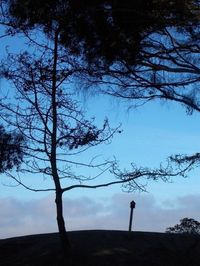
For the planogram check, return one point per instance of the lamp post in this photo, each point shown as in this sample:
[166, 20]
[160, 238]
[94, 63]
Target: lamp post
[132, 206]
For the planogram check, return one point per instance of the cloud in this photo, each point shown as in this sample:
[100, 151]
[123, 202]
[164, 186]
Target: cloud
[25, 217]
[20, 217]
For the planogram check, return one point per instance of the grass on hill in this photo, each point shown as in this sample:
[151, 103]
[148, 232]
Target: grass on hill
[103, 248]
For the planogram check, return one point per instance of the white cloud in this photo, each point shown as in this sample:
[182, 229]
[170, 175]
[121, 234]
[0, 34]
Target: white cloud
[20, 217]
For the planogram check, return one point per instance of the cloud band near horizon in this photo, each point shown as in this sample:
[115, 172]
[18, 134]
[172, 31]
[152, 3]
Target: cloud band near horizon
[19, 217]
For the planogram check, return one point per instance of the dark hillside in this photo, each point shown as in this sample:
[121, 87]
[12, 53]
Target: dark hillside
[103, 248]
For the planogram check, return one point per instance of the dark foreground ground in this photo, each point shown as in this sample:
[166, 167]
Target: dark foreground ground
[103, 248]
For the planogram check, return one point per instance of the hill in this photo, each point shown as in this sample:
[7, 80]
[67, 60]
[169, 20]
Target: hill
[103, 248]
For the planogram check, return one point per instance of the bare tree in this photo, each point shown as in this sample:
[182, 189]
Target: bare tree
[47, 116]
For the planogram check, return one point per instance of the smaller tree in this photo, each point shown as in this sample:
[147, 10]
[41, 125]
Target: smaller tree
[186, 226]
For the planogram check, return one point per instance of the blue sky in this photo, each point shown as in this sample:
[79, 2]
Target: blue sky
[150, 134]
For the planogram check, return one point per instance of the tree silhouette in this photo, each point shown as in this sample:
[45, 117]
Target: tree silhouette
[141, 50]
[94, 44]
[42, 106]
[186, 226]
[47, 115]
[105, 31]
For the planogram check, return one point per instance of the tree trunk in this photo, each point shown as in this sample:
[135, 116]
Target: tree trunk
[59, 204]
[61, 224]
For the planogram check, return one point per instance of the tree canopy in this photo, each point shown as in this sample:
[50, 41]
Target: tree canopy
[11, 150]
[186, 226]
[145, 50]
[105, 31]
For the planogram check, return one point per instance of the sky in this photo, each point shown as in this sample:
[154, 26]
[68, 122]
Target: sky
[149, 135]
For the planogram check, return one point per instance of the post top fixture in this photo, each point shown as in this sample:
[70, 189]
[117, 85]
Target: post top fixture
[132, 204]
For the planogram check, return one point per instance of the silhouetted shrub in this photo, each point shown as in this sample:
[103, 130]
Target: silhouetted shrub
[186, 226]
